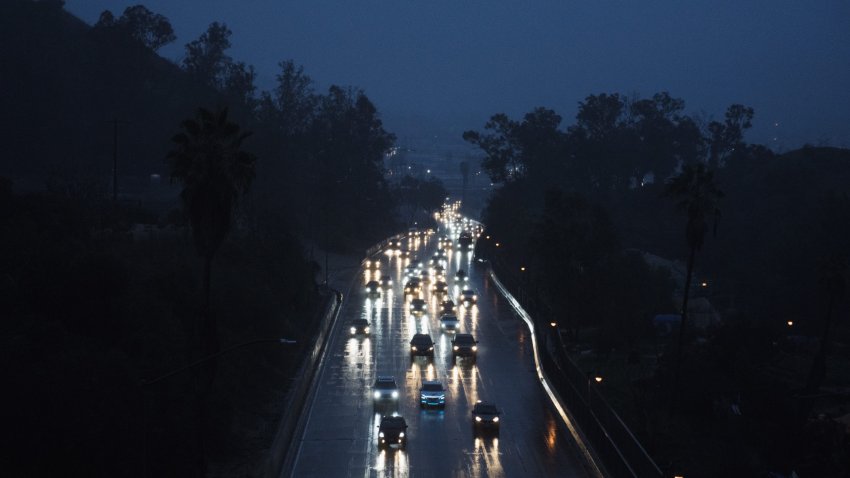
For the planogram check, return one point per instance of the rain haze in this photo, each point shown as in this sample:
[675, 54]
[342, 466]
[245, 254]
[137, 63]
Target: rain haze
[445, 66]
[471, 239]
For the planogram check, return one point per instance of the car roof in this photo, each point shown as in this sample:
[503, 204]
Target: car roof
[422, 337]
[464, 338]
[372, 282]
[468, 291]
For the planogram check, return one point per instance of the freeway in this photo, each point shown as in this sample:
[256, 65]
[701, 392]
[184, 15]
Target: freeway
[340, 435]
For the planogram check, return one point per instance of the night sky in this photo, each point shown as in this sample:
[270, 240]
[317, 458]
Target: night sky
[446, 66]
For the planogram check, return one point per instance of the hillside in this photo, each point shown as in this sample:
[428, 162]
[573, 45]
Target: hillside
[62, 84]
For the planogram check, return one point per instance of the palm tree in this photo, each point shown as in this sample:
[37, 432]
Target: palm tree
[215, 171]
[695, 192]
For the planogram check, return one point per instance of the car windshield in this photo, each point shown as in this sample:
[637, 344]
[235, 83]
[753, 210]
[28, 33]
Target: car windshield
[385, 384]
[464, 340]
[449, 318]
[432, 387]
[485, 409]
[361, 322]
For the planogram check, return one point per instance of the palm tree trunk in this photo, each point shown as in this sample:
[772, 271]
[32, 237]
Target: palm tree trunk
[818, 370]
[682, 323]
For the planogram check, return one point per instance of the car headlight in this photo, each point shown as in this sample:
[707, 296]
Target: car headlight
[401, 435]
[413, 347]
[431, 348]
[443, 326]
[366, 330]
[353, 330]
[381, 434]
[455, 348]
[395, 394]
[474, 348]
[477, 419]
[474, 297]
[495, 419]
[377, 395]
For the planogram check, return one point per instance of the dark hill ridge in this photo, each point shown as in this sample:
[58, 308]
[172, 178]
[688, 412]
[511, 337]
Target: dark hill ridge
[62, 83]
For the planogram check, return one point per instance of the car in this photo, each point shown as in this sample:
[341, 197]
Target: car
[386, 282]
[464, 241]
[439, 270]
[372, 264]
[412, 287]
[359, 326]
[385, 389]
[418, 307]
[485, 415]
[391, 432]
[440, 289]
[432, 394]
[373, 289]
[447, 306]
[461, 276]
[421, 344]
[468, 297]
[449, 323]
[464, 345]
[395, 244]
[425, 276]
[404, 254]
[411, 270]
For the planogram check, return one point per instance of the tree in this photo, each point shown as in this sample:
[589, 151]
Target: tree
[215, 172]
[727, 138]
[150, 29]
[206, 59]
[695, 192]
[501, 161]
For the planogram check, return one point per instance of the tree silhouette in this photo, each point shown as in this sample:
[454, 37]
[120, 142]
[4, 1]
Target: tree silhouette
[215, 171]
[695, 192]
[148, 28]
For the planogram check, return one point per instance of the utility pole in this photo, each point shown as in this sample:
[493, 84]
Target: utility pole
[115, 122]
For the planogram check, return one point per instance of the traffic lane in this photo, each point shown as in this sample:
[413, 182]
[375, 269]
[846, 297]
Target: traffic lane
[442, 443]
[340, 439]
[532, 441]
[339, 436]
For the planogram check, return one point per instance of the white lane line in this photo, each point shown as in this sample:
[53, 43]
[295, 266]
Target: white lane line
[556, 402]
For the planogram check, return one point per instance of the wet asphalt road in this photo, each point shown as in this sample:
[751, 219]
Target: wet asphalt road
[340, 436]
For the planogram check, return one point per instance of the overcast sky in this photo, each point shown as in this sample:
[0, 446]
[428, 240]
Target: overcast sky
[456, 62]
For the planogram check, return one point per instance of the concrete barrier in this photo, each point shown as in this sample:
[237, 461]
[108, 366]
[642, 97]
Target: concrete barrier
[280, 451]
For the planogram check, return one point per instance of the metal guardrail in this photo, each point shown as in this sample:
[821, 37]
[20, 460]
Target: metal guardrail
[619, 450]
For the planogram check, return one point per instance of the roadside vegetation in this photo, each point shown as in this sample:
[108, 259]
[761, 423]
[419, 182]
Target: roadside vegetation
[637, 210]
[101, 295]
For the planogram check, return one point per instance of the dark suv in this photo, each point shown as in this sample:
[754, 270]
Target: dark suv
[391, 431]
[485, 415]
[421, 344]
[464, 345]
